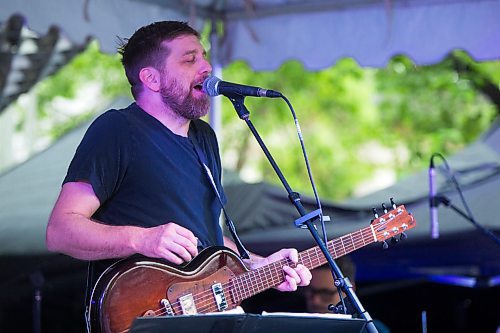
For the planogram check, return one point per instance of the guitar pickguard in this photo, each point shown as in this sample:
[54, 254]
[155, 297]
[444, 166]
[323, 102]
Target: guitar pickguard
[201, 292]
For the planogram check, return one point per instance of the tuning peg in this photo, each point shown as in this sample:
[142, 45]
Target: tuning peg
[375, 213]
[393, 203]
[394, 240]
[385, 245]
[403, 236]
[384, 208]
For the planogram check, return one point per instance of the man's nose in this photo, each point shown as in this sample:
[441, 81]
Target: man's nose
[205, 67]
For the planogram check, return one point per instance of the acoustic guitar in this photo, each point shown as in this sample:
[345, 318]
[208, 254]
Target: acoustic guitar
[215, 280]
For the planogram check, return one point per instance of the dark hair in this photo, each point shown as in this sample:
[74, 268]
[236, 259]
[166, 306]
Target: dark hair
[145, 48]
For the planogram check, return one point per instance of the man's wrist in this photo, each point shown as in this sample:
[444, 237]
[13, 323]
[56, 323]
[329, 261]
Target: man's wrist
[255, 261]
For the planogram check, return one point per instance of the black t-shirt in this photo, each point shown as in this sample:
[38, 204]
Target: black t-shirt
[145, 175]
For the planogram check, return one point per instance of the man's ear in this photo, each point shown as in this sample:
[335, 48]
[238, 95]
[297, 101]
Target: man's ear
[150, 77]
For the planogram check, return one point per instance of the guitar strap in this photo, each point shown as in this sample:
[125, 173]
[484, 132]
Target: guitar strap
[229, 223]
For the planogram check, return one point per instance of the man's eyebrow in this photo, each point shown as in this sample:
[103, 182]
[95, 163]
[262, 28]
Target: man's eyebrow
[194, 51]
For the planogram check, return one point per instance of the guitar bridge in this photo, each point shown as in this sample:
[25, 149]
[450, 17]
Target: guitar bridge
[168, 308]
[220, 298]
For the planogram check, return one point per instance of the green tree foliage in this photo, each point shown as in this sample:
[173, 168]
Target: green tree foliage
[89, 67]
[358, 121]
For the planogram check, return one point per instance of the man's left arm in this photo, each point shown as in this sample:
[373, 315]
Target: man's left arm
[298, 276]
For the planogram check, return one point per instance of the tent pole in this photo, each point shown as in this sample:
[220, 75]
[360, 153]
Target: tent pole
[215, 106]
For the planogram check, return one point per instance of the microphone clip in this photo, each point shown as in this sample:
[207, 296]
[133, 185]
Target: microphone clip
[239, 106]
[438, 199]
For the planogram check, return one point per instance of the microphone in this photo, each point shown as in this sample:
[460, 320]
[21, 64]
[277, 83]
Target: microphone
[213, 86]
[433, 201]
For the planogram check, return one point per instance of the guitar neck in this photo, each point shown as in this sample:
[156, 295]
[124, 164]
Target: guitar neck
[258, 280]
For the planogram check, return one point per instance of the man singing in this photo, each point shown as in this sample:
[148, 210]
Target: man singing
[136, 184]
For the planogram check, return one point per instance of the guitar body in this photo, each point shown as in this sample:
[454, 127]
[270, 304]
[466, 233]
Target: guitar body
[215, 280]
[136, 287]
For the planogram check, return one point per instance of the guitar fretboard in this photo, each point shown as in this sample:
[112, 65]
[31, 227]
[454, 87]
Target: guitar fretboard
[260, 279]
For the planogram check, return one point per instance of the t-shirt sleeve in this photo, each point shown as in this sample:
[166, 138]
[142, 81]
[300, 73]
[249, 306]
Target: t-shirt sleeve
[102, 157]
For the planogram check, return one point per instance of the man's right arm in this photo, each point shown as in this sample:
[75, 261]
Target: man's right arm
[72, 231]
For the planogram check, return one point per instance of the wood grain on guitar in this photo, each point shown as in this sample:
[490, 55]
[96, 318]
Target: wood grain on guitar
[214, 281]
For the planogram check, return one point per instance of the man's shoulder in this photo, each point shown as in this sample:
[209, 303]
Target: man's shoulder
[110, 124]
[115, 114]
[112, 119]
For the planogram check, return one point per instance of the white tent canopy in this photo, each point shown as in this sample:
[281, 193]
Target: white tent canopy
[265, 33]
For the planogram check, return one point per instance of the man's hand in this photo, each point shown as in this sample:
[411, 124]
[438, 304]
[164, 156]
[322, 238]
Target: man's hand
[298, 276]
[169, 241]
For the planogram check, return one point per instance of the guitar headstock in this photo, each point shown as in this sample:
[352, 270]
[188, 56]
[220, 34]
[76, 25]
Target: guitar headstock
[392, 223]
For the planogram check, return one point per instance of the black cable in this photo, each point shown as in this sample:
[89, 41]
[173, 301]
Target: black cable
[309, 172]
[469, 215]
[313, 185]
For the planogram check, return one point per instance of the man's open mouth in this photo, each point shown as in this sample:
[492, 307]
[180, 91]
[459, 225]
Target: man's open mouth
[198, 87]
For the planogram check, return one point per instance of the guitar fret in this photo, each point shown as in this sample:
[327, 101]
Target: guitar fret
[353, 247]
[343, 246]
[246, 285]
[266, 272]
[343, 243]
[310, 261]
[234, 290]
[335, 248]
[252, 282]
[362, 238]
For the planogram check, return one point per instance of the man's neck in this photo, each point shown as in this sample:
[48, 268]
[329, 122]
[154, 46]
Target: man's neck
[165, 115]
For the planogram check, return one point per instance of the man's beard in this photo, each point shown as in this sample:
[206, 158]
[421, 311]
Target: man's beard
[181, 101]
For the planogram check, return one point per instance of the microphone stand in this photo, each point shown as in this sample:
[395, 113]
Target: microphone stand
[306, 218]
[447, 202]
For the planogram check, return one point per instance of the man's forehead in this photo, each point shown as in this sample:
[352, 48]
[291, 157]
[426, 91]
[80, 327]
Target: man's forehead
[184, 44]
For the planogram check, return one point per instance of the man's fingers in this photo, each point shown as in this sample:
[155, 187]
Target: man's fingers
[293, 255]
[304, 274]
[168, 255]
[291, 273]
[298, 276]
[179, 250]
[180, 241]
[186, 233]
[187, 244]
[292, 283]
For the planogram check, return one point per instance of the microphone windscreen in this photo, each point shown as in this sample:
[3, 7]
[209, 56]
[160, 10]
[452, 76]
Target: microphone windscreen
[210, 86]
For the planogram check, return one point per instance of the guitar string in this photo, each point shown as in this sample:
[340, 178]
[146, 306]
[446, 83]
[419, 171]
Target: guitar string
[207, 296]
[362, 234]
[201, 298]
[357, 240]
[203, 307]
[201, 301]
[314, 258]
